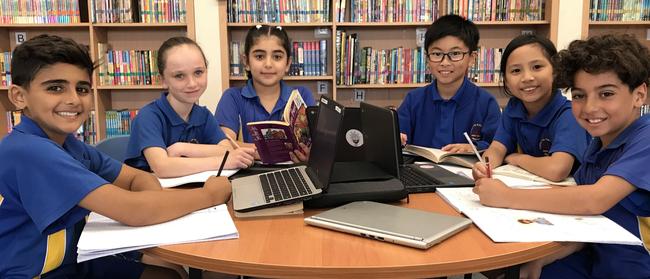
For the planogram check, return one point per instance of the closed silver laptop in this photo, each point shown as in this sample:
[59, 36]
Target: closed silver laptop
[399, 225]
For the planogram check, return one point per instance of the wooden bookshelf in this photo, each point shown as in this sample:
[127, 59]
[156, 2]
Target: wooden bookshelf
[121, 36]
[379, 35]
[638, 28]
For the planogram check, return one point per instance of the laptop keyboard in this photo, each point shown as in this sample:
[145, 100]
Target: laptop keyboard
[411, 177]
[284, 184]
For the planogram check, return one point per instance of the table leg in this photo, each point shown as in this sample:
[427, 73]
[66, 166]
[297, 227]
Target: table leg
[196, 273]
[512, 272]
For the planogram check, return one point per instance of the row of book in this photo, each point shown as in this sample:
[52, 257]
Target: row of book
[308, 58]
[389, 11]
[497, 10]
[619, 10]
[279, 11]
[118, 122]
[130, 11]
[127, 67]
[645, 109]
[356, 65]
[5, 67]
[487, 66]
[39, 11]
[365, 65]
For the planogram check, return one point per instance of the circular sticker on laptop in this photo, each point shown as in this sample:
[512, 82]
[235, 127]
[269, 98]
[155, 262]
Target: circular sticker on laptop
[354, 137]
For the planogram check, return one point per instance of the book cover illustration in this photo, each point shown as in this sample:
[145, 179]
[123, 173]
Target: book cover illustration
[276, 139]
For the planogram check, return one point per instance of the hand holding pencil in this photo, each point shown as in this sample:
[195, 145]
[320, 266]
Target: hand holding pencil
[482, 168]
[240, 157]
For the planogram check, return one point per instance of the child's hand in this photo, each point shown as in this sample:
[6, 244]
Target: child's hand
[219, 188]
[176, 149]
[492, 192]
[457, 147]
[403, 137]
[479, 171]
[300, 154]
[240, 158]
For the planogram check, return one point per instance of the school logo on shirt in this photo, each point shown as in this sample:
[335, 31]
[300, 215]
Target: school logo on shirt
[475, 132]
[545, 146]
[191, 141]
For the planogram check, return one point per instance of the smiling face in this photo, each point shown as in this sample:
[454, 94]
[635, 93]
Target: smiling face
[529, 77]
[58, 99]
[267, 61]
[603, 105]
[447, 72]
[185, 74]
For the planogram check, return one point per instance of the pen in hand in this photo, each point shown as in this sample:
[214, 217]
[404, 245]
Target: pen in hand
[487, 165]
[223, 162]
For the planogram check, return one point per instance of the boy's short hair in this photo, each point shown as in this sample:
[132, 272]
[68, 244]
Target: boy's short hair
[620, 53]
[44, 50]
[453, 25]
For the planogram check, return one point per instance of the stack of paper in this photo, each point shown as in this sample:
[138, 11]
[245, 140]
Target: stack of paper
[511, 225]
[193, 178]
[103, 236]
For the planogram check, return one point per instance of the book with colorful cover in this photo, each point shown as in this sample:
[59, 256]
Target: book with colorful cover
[275, 139]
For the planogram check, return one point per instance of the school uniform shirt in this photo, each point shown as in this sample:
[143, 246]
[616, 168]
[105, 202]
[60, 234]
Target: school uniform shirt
[158, 125]
[41, 184]
[429, 120]
[627, 157]
[553, 129]
[240, 105]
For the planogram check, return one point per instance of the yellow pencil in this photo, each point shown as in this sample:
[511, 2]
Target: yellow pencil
[232, 141]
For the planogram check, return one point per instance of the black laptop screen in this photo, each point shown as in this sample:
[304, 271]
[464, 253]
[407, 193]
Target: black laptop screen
[323, 149]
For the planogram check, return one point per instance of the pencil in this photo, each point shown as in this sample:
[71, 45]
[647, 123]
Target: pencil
[487, 164]
[223, 162]
[232, 141]
[473, 147]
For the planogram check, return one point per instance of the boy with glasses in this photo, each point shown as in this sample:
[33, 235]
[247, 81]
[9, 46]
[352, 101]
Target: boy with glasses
[438, 114]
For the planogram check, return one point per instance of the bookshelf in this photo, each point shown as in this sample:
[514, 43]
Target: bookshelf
[605, 17]
[146, 35]
[379, 35]
[610, 17]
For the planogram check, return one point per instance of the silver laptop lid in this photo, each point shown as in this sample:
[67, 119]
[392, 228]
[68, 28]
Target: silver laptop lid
[394, 220]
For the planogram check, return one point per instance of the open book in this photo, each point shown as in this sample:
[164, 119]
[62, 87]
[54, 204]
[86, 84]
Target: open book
[517, 172]
[513, 225]
[275, 139]
[465, 159]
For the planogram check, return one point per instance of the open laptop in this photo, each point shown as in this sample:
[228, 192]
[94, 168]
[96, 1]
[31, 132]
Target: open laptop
[400, 225]
[381, 128]
[298, 183]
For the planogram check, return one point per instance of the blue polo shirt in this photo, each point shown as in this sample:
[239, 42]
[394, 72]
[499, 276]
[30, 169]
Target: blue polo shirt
[41, 184]
[627, 157]
[553, 129]
[242, 103]
[158, 125]
[429, 120]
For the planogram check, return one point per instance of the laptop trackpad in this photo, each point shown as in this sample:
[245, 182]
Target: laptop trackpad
[357, 171]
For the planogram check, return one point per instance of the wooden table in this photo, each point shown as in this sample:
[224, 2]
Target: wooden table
[286, 247]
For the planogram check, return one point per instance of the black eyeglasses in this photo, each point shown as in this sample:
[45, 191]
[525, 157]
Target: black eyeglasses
[455, 56]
